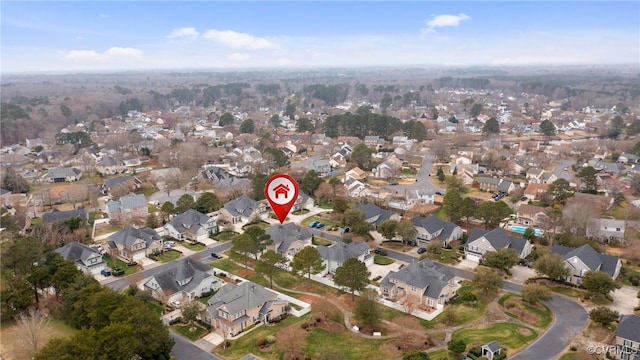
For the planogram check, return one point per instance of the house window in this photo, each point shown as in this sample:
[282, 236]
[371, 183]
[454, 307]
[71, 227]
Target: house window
[413, 288]
[429, 302]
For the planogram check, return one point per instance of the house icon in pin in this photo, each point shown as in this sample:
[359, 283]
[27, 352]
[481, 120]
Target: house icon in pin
[281, 190]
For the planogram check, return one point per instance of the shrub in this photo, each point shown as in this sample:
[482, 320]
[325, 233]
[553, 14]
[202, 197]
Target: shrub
[603, 315]
[270, 339]
[544, 242]
[477, 351]
[634, 279]
[573, 348]
[260, 341]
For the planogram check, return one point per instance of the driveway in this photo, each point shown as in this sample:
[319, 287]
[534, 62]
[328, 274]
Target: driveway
[466, 264]
[624, 299]
[520, 274]
[383, 270]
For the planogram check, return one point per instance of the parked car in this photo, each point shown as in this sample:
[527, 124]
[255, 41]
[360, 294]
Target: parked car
[524, 198]
[439, 193]
[422, 250]
[394, 183]
[380, 251]
[215, 255]
[345, 230]
[117, 271]
[105, 272]
[314, 223]
[320, 225]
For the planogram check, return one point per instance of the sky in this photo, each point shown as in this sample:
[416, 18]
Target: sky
[149, 35]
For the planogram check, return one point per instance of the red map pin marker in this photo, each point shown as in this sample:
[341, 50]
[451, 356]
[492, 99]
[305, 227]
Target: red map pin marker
[281, 192]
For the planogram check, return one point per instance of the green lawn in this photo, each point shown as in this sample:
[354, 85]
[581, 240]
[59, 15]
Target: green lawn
[445, 256]
[225, 235]
[128, 270]
[147, 190]
[186, 331]
[623, 278]
[325, 221]
[194, 247]
[247, 343]
[382, 260]
[507, 334]
[36, 221]
[168, 255]
[464, 312]
[349, 345]
[103, 229]
[157, 309]
[544, 316]
[442, 354]
[317, 241]
[409, 171]
[300, 212]
[225, 265]
[261, 225]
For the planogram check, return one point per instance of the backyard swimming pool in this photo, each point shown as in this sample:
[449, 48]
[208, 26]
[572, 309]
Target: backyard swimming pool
[521, 229]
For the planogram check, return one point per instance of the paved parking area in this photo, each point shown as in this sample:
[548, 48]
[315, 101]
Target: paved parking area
[465, 264]
[520, 274]
[383, 270]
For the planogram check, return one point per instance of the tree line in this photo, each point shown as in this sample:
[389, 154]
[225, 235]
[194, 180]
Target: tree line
[361, 124]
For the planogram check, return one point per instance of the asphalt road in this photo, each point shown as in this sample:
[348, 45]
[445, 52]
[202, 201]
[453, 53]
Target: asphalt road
[422, 178]
[560, 172]
[185, 350]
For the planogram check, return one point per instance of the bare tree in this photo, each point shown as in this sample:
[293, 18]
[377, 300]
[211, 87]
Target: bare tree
[440, 148]
[292, 339]
[33, 323]
[409, 303]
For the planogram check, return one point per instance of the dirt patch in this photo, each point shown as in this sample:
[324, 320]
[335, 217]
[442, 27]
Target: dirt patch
[292, 356]
[516, 308]
[331, 326]
[309, 299]
[524, 331]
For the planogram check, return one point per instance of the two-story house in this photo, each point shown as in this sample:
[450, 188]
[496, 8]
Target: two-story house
[131, 244]
[185, 278]
[335, 255]
[488, 184]
[426, 282]
[535, 175]
[303, 201]
[533, 190]
[126, 183]
[375, 215]
[109, 165]
[243, 209]
[627, 339]
[355, 174]
[87, 259]
[429, 228]
[581, 260]
[321, 166]
[237, 306]
[288, 239]
[191, 225]
[605, 230]
[481, 241]
[128, 207]
[531, 215]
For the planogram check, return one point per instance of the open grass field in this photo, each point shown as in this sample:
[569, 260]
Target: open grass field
[191, 331]
[445, 256]
[349, 345]
[14, 346]
[510, 335]
[225, 265]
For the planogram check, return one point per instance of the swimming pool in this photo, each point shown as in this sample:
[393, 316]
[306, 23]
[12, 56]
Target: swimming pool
[521, 229]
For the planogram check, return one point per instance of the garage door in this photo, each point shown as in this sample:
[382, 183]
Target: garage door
[138, 256]
[473, 257]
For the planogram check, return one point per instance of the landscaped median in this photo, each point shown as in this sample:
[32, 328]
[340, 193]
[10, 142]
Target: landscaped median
[537, 315]
[510, 335]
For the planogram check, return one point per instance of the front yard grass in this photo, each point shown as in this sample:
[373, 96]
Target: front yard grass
[225, 265]
[247, 344]
[464, 312]
[167, 256]
[382, 260]
[510, 335]
[111, 262]
[191, 331]
[317, 241]
[106, 228]
[300, 212]
[544, 316]
[225, 236]
[194, 247]
[262, 225]
[327, 222]
[446, 256]
[349, 345]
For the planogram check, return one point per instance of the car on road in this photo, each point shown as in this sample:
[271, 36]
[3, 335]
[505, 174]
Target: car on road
[215, 255]
[105, 272]
[394, 183]
[422, 250]
[380, 251]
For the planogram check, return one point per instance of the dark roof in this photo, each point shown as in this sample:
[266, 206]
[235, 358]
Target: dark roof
[189, 220]
[77, 252]
[590, 257]
[58, 216]
[499, 239]
[182, 270]
[130, 235]
[629, 328]
[215, 173]
[238, 297]
[110, 161]
[340, 252]
[286, 234]
[374, 211]
[128, 202]
[4, 191]
[423, 274]
[242, 206]
[493, 346]
[111, 183]
[433, 224]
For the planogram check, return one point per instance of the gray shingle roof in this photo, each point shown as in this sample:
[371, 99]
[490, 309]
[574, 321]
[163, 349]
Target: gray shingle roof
[499, 239]
[286, 234]
[128, 202]
[110, 161]
[629, 328]
[340, 252]
[433, 224]
[242, 206]
[129, 235]
[493, 346]
[4, 191]
[111, 183]
[189, 220]
[59, 216]
[590, 257]
[76, 252]
[238, 297]
[215, 173]
[372, 210]
[181, 270]
[62, 172]
[423, 274]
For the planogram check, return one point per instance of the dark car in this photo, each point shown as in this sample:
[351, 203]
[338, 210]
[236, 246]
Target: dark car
[380, 251]
[117, 271]
[439, 193]
[394, 183]
[215, 255]
[319, 226]
[105, 272]
[422, 250]
[524, 198]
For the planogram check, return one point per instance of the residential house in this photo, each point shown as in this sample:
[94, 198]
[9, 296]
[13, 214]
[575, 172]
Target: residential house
[533, 190]
[128, 207]
[375, 215]
[374, 141]
[109, 165]
[214, 174]
[506, 186]
[87, 259]
[419, 196]
[627, 339]
[584, 259]
[488, 184]
[191, 225]
[321, 166]
[177, 194]
[535, 175]
[465, 175]
[243, 209]
[462, 160]
[338, 160]
[491, 350]
[465, 151]
[600, 202]
[425, 282]
[303, 201]
[613, 168]
[355, 174]
[389, 169]
[168, 175]
[549, 178]
[335, 255]
[57, 216]
[481, 241]
[429, 228]
[5, 197]
[236, 307]
[129, 183]
[628, 158]
[356, 188]
[131, 244]
[61, 174]
[288, 239]
[606, 229]
[600, 154]
[186, 278]
[531, 215]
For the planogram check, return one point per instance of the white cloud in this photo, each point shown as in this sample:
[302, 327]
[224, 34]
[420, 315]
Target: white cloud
[239, 57]
[123, 51]
[185, 32]
[83, 55]
[239, 40]
[445, 21]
